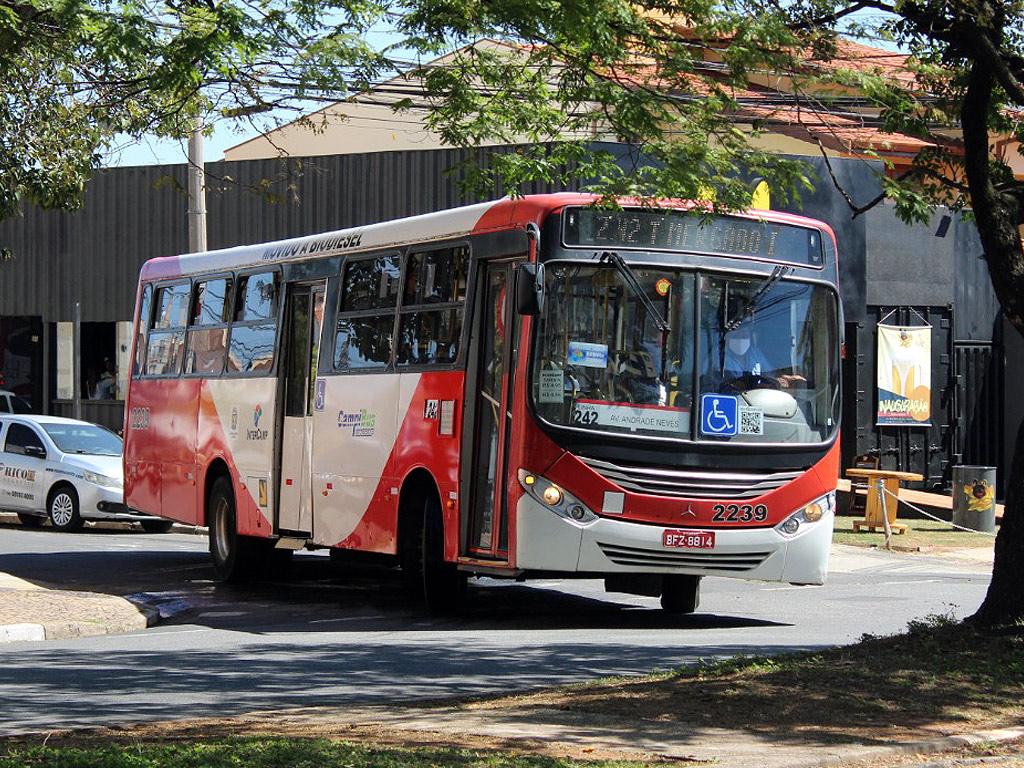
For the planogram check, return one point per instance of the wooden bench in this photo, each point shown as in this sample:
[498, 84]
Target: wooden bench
[920, 498]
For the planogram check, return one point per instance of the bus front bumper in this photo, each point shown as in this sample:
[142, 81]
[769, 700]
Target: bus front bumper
[547, 542]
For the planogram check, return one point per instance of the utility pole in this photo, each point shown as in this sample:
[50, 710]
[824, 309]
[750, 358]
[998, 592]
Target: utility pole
[76, 361]
[196, 190]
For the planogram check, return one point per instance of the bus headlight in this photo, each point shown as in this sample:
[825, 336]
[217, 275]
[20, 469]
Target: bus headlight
[555, 498]
[812, 513]
[553, 495]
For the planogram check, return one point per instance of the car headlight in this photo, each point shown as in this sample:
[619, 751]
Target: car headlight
[103, 480]
[556, 498]
[808, 515]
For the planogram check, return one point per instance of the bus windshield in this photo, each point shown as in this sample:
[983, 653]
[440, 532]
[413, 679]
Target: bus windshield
[762, 349]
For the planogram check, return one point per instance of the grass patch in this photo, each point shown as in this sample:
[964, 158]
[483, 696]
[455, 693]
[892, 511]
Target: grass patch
[924, 534]
[275, 753]
[938, 678]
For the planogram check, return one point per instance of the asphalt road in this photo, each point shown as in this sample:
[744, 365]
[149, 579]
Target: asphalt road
[326, 635]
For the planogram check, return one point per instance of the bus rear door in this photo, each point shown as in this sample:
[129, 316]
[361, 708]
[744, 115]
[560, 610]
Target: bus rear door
[301, 336]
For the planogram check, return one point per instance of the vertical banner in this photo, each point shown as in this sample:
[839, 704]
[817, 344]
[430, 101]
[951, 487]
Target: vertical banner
[904, 376]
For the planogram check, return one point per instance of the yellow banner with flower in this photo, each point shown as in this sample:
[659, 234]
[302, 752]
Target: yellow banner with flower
[904, 375]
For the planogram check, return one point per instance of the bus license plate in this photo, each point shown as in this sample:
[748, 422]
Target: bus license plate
[689, 539]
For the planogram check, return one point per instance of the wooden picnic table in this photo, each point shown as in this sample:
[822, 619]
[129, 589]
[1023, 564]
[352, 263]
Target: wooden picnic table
[873, 507]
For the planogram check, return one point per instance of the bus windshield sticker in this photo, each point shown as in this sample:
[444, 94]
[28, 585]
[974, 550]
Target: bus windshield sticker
[718, 415]
[751, 420]
[589, 413]
[552, 387]
[588, 355]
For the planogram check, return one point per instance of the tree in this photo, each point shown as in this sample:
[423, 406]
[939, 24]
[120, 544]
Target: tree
[671, 77]
[77, 73]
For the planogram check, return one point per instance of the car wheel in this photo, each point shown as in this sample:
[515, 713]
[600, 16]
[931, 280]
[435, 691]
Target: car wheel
[62, 508]
[156, 526]
[680, 594]
[31, 521]
[236, 558]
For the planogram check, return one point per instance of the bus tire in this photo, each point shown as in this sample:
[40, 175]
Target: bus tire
[680, 593]
[236, 558]
[62, 508]
[442, 584]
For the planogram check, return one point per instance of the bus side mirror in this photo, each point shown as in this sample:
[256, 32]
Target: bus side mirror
[530, 289]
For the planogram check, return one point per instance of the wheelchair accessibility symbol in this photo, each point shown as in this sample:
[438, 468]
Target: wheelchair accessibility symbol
[719, 415]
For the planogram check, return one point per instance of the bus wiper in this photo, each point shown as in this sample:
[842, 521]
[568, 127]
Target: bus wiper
[751, 303]
[634, 284]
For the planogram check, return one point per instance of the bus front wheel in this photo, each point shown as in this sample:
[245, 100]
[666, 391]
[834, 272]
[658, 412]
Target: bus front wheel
[443, 586]
[680, 593]
[235, 558]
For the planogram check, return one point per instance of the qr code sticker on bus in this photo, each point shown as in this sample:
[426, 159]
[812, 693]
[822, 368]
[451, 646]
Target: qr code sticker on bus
[751, 420]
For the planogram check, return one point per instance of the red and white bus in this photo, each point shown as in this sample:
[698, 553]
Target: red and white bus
[522, 388]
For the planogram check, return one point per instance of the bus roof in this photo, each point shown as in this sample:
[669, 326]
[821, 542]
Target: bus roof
[454, 222]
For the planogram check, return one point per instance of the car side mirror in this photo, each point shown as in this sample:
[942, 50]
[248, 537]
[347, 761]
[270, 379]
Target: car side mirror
[35, 451]
[530, 289]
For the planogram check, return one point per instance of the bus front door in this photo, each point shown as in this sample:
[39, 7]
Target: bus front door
[301, 333]
[498, 326]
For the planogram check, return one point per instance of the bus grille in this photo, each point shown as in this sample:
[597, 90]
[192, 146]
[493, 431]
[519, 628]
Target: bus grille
[659, 558]
[691, 484]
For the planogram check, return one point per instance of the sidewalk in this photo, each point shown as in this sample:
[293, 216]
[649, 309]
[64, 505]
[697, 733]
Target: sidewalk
[29, 613]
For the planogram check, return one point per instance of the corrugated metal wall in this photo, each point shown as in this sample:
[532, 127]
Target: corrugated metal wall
[132, 214]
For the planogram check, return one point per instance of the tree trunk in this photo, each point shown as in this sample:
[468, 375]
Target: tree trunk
[998, 215]
[1004, 602]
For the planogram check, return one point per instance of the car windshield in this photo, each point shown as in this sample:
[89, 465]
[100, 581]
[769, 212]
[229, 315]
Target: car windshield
[84, 438]
[757, 352]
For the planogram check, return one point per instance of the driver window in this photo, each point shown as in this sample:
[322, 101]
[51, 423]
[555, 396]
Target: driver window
[20, 437]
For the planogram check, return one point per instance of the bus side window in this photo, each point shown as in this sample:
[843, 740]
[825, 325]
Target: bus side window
[366, 317]
[142, 331]
[166, 341]
[251, 349]
[433, 307]
[208, 332]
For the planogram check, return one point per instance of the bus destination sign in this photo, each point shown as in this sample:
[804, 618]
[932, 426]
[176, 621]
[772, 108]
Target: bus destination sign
[678, 231]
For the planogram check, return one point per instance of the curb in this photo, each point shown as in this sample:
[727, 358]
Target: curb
[86, 614]
[22, 633]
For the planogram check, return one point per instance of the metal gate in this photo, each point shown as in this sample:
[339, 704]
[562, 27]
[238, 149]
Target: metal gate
[929, 449]
[979, 437]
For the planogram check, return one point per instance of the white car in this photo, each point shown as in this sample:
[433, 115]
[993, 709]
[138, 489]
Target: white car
[12, 403]
[67, 470]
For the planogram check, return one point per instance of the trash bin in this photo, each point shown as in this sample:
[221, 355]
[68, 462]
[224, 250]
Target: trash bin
[974, 498]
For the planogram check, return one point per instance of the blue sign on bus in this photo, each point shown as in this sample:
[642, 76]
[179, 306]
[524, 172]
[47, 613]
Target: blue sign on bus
[719, 415]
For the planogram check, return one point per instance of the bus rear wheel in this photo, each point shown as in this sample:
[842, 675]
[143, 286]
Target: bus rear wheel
[680, 593]
[236, 558]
